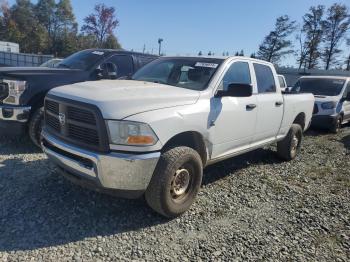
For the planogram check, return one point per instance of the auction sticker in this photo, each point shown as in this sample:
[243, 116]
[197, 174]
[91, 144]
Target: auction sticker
[210, 65]
[98, 53]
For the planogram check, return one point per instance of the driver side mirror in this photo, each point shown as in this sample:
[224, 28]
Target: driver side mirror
[107, 71]
[236, 90]
[347, 97]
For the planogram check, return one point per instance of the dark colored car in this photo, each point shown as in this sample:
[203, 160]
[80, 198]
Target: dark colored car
[23, 89]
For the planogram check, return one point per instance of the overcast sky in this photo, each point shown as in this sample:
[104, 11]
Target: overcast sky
[190, 26]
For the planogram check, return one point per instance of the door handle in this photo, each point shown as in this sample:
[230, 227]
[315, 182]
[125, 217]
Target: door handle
[279, 103]
[251, 106]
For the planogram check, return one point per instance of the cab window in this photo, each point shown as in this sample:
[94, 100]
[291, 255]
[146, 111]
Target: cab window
[238, 73]
[123, 63]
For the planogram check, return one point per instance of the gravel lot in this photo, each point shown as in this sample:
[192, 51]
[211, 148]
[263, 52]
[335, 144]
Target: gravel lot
[252, 207]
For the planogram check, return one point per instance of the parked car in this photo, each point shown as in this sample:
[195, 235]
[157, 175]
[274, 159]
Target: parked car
[283, 83]
[154, 134]
[22, 89]
[52, 63]
[332, 94]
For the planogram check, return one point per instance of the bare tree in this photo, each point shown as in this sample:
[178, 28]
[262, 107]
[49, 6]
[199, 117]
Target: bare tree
[101, 23]
[302, 52]
[335, 27]
[276, 43]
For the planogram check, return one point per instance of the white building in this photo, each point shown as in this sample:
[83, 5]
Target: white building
[9, 47]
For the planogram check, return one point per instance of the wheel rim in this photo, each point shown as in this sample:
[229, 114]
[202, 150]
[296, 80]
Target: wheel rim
[295, 144]
[180, 184]
[338, 124]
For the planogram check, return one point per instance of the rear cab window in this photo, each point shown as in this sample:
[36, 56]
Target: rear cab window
[265, 79]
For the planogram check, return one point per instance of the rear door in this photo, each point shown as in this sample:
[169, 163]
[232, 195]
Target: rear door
[270, 104]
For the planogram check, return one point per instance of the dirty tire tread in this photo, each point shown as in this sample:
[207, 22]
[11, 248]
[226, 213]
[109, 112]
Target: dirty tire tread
[154, 194]
[34, 125]
[284, 146]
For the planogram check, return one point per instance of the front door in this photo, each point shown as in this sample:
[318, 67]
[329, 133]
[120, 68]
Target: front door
[233, 119]
[346, 104]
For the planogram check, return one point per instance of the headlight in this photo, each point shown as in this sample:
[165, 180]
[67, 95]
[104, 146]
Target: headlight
[15, 90]
[329, 105]
[131, 133]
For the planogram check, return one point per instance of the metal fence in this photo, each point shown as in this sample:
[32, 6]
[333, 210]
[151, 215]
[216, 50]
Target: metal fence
[21, 59]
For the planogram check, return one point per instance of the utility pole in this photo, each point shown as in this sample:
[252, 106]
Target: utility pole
[160, 40]
[348, 64]
[144, 48]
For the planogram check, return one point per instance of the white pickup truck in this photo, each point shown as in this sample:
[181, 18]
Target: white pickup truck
[154, 134]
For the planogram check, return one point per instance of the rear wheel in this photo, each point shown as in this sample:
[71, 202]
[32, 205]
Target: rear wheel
[176, 182]
[289, 147]
[337, 125]
[35, 126]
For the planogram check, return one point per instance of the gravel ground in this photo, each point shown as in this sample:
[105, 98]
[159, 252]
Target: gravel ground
[252, 207]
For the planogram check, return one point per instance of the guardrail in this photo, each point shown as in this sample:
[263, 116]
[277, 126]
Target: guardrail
[22, 59]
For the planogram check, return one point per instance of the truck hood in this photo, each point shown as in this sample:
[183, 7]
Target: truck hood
[118, 99]
[322, 99]
[23, 73]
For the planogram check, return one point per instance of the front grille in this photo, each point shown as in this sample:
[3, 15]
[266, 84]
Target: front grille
[4, 91]
[315, 109]
[77, 123]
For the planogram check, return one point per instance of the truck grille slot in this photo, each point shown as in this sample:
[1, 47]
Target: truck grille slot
[315, 109]
[81, 115]
[77, 123]
[83, 134]
[52, 107]
[53, 122]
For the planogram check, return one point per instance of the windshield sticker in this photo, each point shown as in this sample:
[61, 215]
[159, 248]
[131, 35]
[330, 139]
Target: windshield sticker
[210, 65]
[98, 53]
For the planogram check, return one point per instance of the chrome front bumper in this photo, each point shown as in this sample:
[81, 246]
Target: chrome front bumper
[129, 172]
[14, 113]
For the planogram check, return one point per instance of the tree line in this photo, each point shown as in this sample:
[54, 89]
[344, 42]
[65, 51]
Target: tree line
[319, 39]
[50, 27]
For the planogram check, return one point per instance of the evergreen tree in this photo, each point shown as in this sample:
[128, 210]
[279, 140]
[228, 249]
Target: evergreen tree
[276, 43]
[335, 28]
[312, 27]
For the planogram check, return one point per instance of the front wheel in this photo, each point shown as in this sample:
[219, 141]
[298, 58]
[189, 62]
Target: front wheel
[176, 182]
[337, 125]
[289, 147]
[35, 126]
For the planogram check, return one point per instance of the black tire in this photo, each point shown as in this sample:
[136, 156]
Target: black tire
[337, 125]
[35, 126]
[288, 148]
[175, 164]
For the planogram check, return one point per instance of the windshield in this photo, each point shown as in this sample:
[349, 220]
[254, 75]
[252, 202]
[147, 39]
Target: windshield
[83, 60]
[321, 87]
[189, 73]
